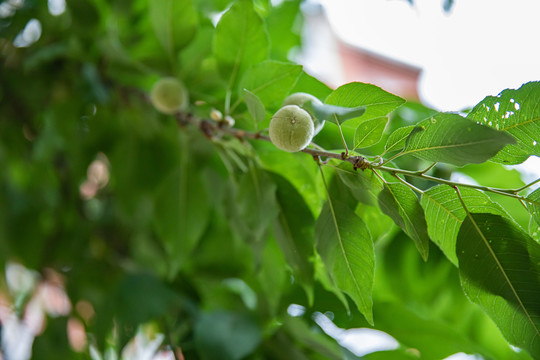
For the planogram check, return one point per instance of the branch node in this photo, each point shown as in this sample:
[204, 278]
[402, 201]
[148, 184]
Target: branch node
[240, 134]
[360, 162]
[207, 128]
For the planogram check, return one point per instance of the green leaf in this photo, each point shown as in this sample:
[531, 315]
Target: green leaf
[284, 28]
[444, 214]
[308, 84]
[401, 203]
[499, 268]
[208, 7]
[533, 205]
[401, 354]
[271, 81]
[364, 185]
[132, 300]
[226, 335]
[516, 112]
[379, 225]
[423, 306]
[369, 132]
[431, 337]
[534, 230]
[332, 113]
[293, 230]
[397, 139]
[273, 277]
[253, 205]
[181, 214]
[317, 342]
[293, 167]
[192, 57]
[255, 107]
[346, 249]
[132, 303]
[378, 102]
[323, 277]
[174, 22]
[240, 40]
[450, 138]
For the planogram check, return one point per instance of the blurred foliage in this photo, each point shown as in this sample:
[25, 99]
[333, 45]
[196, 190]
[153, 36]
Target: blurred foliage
[152, 228]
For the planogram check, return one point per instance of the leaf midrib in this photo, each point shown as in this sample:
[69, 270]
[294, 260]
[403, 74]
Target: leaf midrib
[440, 205]
[365, 137]
[395, 144]
[287, 228]
[520, 124]
[274, 80]
[240, 53]
[342, 248]
[169, 26]
[499, 265]
[405, 213]
[448, 146]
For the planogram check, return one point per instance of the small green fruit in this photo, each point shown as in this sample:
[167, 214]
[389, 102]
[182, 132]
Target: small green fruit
[169, 95]
[291, 128]
[300, 99]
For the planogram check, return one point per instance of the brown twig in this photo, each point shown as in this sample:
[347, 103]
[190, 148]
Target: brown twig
[211, 129]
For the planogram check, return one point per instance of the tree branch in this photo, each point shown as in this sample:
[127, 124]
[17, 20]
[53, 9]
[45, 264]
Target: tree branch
[212, 128]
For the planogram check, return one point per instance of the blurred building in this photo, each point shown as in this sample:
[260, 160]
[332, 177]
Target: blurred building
[393, 76]
[335, 62]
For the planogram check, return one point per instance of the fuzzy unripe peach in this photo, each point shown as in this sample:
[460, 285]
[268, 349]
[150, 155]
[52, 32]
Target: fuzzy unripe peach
[169, 95]
[291, 128]
[300, 99]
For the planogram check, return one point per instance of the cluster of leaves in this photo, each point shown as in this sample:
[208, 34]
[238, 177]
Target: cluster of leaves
[212, 240]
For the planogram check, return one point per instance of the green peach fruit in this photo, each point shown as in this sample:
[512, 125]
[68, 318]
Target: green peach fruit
[301, 98]
[291, 128]
[169, 95]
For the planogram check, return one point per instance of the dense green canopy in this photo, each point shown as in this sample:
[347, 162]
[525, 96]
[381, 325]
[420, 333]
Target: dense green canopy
[192, 230]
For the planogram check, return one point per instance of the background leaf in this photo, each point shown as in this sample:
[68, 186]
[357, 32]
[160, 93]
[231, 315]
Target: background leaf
[445, 214]
[293, 230]
[240, 40]
[182, 213]
[304, 176]
[516, 112]
[271, 81]
[450, 138]
[401, 203]
[533, 205]
[284, 23]
[174, 22]
[255, 107]
[252, 207]
[506, 284]
[346, 249]
[308, 84]
[226, 335]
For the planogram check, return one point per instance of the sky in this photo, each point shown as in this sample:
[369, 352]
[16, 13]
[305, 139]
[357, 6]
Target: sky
[477, 49]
